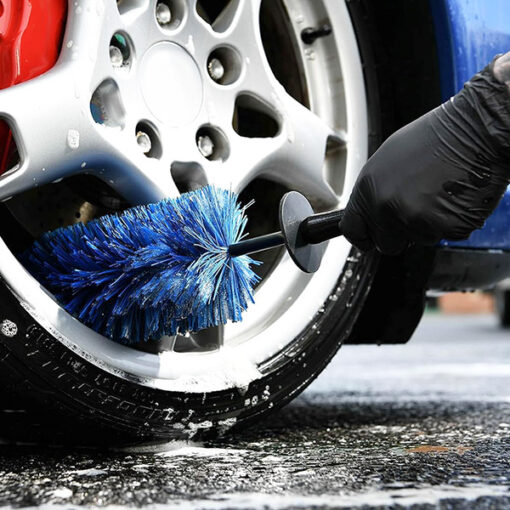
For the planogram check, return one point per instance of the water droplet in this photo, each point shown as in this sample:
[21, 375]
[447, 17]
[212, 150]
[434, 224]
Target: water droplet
[310, 54]
[73, 139]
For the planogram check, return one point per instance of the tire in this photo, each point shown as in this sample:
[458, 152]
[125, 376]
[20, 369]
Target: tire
[67, 399]
[56, 393]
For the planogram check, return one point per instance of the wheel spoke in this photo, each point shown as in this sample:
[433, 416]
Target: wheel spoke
[227, 17]
[238, 15]
[302, 154]
[51, 149]
[295, 157]
[247, 160]
[89, 28]
[45, 117]
[140, 188]
[140, 180]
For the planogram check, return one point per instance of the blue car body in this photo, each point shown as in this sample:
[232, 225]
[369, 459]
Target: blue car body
[469, 34]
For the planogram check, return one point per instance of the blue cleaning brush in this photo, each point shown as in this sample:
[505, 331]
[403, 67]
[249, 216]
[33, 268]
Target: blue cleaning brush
[171, 267]
[153, 270]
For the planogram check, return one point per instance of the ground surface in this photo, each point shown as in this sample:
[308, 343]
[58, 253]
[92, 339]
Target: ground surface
[422, 425]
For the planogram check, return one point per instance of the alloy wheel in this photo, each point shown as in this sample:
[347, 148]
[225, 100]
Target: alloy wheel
[153, 98]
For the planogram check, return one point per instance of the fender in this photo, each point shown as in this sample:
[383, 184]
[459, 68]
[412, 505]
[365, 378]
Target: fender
[469, 35]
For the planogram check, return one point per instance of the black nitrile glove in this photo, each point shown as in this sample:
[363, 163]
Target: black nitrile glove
[439, 177]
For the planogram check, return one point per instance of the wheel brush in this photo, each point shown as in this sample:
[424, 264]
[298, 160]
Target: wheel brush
[172, 267]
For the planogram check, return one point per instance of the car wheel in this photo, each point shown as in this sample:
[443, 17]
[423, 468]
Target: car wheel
[146, 101]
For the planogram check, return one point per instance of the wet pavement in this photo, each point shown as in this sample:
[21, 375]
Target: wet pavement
[424, 425]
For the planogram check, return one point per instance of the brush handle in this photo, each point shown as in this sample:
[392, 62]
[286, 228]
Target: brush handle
[314, 230]
[322, 227]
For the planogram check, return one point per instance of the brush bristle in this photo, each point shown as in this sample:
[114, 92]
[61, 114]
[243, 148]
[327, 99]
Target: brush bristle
[154, 270]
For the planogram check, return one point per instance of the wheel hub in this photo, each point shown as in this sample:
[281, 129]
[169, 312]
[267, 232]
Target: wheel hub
[171, 84]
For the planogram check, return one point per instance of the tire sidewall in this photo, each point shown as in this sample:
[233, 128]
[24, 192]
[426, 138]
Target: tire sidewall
[59, 379]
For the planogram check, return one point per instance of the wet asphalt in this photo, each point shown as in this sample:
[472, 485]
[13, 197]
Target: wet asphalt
[425, 425]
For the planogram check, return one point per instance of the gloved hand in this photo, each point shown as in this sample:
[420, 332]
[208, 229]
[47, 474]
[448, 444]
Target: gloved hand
[439, 177]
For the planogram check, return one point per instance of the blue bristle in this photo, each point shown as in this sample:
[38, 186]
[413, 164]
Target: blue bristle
[154, 270]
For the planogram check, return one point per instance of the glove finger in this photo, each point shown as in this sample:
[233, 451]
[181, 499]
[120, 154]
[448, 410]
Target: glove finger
[355, 230]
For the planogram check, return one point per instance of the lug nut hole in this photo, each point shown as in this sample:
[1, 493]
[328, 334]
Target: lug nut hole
[212, 144]
[106, 106]
[121, 54]
[224, 65]
[148, 140]
[170, 14]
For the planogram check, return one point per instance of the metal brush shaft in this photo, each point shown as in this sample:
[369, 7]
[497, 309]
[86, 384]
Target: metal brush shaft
[314, 230]
[256, 244]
